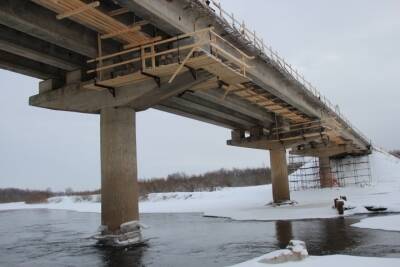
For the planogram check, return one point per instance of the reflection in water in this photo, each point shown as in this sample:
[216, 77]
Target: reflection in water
[129, 257]
[330, 236]
[284, 232]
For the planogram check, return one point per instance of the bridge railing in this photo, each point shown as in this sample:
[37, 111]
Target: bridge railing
[258, 43]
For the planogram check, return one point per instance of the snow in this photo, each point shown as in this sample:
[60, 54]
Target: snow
[250, 203]
[296, 255]
[327, 261]
[389, 223]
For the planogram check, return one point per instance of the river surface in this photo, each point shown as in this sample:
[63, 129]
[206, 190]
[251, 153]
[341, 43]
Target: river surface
[62, 238]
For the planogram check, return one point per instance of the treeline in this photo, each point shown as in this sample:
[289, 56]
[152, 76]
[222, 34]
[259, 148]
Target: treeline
[177, 182]
[210, 181]
[28, 196]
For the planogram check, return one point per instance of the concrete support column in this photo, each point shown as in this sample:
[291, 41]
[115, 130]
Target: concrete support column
[279, 175]
[119, 188]
[325, 174]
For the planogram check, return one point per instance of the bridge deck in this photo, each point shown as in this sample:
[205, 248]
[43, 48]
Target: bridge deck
[244, 92]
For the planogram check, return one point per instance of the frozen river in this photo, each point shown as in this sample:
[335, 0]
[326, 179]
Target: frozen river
[62, 238]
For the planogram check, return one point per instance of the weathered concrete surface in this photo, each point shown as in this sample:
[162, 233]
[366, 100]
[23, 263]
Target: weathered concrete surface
[179, 16]
[140, 96]
[279, 175]
[325, 174]
[119, 187]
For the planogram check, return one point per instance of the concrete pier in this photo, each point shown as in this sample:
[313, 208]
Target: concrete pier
[279, 175]
[119, 188]
[325, 174]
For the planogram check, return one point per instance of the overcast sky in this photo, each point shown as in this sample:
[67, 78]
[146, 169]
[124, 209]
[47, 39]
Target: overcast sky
[348, 49]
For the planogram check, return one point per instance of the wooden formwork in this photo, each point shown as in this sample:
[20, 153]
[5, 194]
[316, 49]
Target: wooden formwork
[106, 25]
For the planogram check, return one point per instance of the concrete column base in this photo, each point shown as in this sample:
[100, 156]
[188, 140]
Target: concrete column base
[119, 188]
[325, 174]
[279, 175]
[128, 235]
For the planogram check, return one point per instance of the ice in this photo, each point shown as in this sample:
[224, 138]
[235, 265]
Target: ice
[389, 223]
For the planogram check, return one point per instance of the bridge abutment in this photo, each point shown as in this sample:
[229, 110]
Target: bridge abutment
[119, 187]
[279, 175]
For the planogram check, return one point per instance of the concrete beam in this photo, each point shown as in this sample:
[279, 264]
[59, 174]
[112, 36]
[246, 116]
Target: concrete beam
[323, 150]
[35, 49]
[239, 104]
[139, 96]
[266, 143]
[211, 114]
[73, 97]
[119, 187]
[27, 17]
[195, 115]
[220, 107]
[182, 83]
[29, 67]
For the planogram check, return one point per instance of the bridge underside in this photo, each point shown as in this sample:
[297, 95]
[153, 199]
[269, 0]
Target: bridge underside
[116, 58]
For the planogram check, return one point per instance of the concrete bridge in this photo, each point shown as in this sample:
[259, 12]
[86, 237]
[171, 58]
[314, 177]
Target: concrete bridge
[186, 57]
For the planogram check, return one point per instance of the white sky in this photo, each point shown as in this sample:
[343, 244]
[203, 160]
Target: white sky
[348, 49]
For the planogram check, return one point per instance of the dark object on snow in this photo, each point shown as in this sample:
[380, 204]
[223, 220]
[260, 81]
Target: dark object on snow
[335, 203]
[375, 208]
[340, 206]
[343, 197]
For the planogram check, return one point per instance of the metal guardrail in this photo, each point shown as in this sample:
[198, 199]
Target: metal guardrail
[258, 43]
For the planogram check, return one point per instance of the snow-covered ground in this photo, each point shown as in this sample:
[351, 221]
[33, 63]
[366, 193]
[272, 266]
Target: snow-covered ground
[328, 261]
[296, 254]
[250, 203]
[389, 223]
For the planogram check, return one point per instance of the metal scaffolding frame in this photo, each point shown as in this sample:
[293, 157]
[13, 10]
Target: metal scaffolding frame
[350, 170]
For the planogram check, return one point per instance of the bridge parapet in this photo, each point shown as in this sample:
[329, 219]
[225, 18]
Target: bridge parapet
[239, 29]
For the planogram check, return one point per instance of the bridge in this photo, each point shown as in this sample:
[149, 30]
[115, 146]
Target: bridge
[187, 57]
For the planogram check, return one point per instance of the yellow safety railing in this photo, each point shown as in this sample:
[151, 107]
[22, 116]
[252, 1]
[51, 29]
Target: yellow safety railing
[175, 51]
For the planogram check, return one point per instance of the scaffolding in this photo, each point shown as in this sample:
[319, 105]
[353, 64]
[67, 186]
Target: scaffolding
[305, 172]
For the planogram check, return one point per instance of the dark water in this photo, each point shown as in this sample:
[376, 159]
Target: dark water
[61, 238]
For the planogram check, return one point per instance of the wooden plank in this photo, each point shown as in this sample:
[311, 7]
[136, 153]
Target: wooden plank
[144, 42]
[95, 20]
[181, 65]
[117, 33]
[78, 10]
[119, 11]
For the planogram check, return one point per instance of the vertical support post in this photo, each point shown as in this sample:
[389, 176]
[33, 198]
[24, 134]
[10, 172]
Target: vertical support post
[325, 175]
[142, 57]
[279, 175]
[153, 57]
[119, 189]
[99, 54]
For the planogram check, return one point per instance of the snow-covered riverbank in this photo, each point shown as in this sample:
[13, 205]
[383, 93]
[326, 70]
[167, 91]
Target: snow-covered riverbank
[328, 261]
[250, 203]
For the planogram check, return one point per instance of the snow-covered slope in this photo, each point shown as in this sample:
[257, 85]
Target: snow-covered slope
[250, 203]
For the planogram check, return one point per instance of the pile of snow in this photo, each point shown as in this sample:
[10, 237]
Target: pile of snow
[250, 203]
[295, 251]
[389, 223]
[296, 255]
[328, 261]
